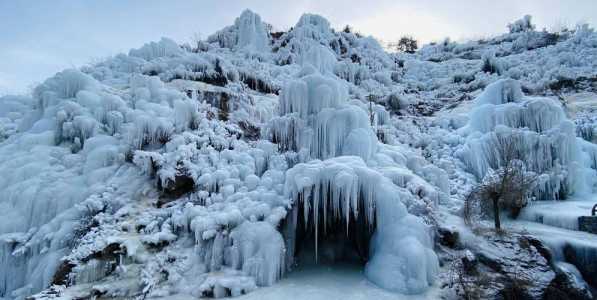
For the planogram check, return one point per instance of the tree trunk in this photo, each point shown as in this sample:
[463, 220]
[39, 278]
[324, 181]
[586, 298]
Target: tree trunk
[496, 213]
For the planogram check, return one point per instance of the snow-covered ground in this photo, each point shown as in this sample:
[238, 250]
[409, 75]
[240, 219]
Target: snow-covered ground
[562, 214]
[326, 282]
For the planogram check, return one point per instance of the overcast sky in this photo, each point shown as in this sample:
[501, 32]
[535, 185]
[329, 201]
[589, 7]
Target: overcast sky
[40, 38]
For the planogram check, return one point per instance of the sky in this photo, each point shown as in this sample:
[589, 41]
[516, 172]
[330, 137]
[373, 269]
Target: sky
[39, 38]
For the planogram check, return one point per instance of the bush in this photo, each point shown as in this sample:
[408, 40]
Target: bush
[522, 25]
[491, 64]
[507, 188]
[406, 44]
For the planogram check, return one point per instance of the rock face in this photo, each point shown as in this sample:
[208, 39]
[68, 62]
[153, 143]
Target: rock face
[565, 286]
[588, 224]
[512, 266]
[585, 259]
[517, 268]
[448, 237]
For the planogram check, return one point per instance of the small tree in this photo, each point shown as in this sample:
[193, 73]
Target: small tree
[406, 44]
[509, 187]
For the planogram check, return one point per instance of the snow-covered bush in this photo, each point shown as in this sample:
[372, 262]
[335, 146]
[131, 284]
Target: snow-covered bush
[164, 48]
[491, 64]
[522, 25]
[248, 32]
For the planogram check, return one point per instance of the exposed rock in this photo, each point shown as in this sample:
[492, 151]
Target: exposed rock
[110, 252]
[181, 185]
[588, 224]
[566, 287]
[61, 275]
[469, 262]
[448, 237]
[584, 258]
[515, 267]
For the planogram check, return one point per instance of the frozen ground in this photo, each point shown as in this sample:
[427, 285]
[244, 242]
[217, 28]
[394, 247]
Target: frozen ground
[562, 214]
[325, 282]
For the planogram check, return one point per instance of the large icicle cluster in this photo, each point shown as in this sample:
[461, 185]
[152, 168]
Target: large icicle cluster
[540, 134]
[248, 32]
[316, 119]
[401, 256]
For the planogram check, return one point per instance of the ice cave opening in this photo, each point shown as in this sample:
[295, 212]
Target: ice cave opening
[331, 239]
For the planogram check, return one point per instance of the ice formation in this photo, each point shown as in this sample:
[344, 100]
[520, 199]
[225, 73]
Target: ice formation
[248, 32]
[207, 170]
[540, 134]
[321, 121]
[401, 256]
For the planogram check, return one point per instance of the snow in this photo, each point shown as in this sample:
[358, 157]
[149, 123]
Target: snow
[164, 48]
[561, 214]
[339, 281]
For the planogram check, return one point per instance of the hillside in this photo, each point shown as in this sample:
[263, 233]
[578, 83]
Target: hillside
[216, 169]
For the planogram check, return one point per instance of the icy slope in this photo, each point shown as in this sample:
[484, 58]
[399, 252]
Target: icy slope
[208, 170]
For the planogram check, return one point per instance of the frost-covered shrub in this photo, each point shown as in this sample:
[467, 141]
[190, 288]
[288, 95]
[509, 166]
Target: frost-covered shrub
[63, 85]
[491, 64]
[533, 40]
[469, 77]
[14, 112]
[164, 48]
[522, 25]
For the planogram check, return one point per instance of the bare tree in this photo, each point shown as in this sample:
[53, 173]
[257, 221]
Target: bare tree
[507, 188]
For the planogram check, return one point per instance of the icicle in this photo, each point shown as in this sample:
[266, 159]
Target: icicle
[539, 132]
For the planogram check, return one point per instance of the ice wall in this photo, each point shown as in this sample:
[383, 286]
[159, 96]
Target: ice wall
[401, 258]
[68, 162]
[538, 131]
[316, 118]
[248, 32]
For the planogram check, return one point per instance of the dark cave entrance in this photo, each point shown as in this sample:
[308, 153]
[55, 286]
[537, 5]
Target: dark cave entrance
[337, 240]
